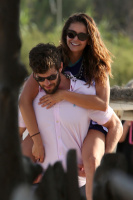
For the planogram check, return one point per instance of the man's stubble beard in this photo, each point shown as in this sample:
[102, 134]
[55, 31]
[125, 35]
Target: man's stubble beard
[55, 88]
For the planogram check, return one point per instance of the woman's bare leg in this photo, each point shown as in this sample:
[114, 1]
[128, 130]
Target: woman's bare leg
[92, 151]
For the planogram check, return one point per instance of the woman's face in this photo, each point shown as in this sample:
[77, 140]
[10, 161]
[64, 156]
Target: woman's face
[75, 44]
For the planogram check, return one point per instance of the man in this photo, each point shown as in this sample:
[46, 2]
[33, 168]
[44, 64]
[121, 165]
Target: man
[65, 125]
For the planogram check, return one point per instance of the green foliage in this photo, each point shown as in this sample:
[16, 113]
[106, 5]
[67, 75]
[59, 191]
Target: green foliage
[122, 68]
[123, 63]
[39, 24]
[32, 36]
[121, 47]
[44, 13]
[25, 13]
[76, 6]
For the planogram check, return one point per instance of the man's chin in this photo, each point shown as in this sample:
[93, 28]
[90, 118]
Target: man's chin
[49, 91]
[52, 91]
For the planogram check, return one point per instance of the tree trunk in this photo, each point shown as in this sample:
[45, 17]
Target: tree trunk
[12, 74]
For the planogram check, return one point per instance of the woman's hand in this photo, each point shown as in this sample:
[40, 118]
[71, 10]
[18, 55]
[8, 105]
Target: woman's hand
[51, 99]
[38, 150]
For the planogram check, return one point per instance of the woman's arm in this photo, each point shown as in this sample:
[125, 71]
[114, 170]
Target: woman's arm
[27, 96]
[100, 101]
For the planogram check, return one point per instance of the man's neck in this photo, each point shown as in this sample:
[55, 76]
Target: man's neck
[65, 83]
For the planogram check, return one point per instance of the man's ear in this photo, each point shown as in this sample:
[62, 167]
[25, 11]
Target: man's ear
[61, 68]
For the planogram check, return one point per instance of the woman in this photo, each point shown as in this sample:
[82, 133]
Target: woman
[86, 57]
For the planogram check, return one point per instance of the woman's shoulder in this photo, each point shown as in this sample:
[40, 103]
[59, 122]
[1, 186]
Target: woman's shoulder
[80, 86]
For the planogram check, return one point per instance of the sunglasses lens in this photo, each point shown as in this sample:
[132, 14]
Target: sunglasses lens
[71, 34]
[52, 77]
[82, 36]
[40, 79]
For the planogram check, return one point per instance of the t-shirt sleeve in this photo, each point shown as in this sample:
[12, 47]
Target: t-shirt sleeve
[101, 117]
[20, 119]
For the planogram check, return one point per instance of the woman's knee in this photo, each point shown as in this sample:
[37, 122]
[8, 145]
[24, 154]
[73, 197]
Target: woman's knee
[91, 163]
[94, 161]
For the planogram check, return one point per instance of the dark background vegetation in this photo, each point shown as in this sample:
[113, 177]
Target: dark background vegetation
[42, 21]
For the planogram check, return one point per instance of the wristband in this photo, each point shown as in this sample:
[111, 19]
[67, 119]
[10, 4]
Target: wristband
[34, 134]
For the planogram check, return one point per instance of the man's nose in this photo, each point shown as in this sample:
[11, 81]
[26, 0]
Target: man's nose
[46, 82]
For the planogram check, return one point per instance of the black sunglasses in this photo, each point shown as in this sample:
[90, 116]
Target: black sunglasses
[41, 79]
[81, 36]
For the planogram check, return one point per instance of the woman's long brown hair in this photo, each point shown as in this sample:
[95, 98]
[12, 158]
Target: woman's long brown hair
[96, 57]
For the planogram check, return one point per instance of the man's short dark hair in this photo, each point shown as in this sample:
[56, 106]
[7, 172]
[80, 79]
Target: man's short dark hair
[43, 57]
